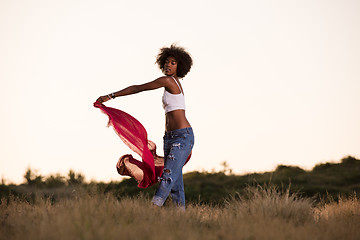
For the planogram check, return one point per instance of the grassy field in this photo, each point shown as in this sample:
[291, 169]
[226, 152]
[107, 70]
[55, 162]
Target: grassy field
[259, 213]
[287, 203]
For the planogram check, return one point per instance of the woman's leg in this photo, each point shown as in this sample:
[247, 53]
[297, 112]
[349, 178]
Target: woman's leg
[174, 162]
[176, 148]
[177, 192]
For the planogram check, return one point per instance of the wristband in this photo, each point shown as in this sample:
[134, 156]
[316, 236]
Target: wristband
[112, 95]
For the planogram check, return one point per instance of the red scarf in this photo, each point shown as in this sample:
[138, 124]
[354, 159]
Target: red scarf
[134, 135]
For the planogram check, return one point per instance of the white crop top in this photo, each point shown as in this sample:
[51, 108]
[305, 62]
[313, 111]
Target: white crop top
[173, 102]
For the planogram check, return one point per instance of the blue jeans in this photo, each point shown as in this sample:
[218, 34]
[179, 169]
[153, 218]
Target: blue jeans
[177, 147]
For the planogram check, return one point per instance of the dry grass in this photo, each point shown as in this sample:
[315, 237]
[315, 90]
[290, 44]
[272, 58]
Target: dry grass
[264, 213]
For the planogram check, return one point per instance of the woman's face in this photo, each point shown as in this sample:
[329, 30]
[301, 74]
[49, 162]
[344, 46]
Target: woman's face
[170, 66]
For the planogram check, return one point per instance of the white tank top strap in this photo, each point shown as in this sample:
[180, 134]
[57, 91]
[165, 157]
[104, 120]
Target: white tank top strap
[177, 84]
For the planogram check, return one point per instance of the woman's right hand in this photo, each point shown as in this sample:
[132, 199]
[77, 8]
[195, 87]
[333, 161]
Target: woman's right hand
[102, 99]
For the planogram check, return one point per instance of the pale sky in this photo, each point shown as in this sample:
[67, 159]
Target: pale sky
[273, 82]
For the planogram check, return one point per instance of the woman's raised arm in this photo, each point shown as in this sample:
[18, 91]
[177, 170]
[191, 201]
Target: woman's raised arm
[157, 83]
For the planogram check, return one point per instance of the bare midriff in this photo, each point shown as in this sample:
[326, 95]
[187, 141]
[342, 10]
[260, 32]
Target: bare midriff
[176, 120]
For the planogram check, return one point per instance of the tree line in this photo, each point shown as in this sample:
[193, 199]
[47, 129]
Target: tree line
[323, 181]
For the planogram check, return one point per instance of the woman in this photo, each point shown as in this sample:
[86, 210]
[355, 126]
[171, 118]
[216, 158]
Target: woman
[175, 63]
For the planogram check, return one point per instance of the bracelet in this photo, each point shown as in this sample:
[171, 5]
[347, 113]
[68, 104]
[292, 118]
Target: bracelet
[108, 96]
[112, 95]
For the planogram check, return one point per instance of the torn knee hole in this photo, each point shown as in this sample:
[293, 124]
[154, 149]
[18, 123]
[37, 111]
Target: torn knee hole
[165, 179]
[166, 176]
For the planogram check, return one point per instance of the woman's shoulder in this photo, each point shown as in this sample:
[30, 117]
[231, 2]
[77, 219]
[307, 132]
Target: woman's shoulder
[166, 81]
[165, 78]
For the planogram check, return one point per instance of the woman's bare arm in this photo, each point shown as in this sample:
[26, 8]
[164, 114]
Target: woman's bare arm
[157, 83]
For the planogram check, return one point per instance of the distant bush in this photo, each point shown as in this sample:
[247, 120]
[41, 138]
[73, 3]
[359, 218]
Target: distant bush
[346, 163]
[75, 178]
[350, 161]
[33, 179]
[56, 180]
[289, 169]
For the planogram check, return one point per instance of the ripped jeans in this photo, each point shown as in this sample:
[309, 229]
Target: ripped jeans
[177, 147]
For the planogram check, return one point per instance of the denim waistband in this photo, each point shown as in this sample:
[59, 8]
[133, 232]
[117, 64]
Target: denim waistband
[178, 132]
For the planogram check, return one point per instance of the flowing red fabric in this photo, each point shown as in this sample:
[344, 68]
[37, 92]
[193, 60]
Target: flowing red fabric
[134, 135]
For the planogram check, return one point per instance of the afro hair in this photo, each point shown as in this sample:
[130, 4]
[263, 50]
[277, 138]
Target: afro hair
[182, 57]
